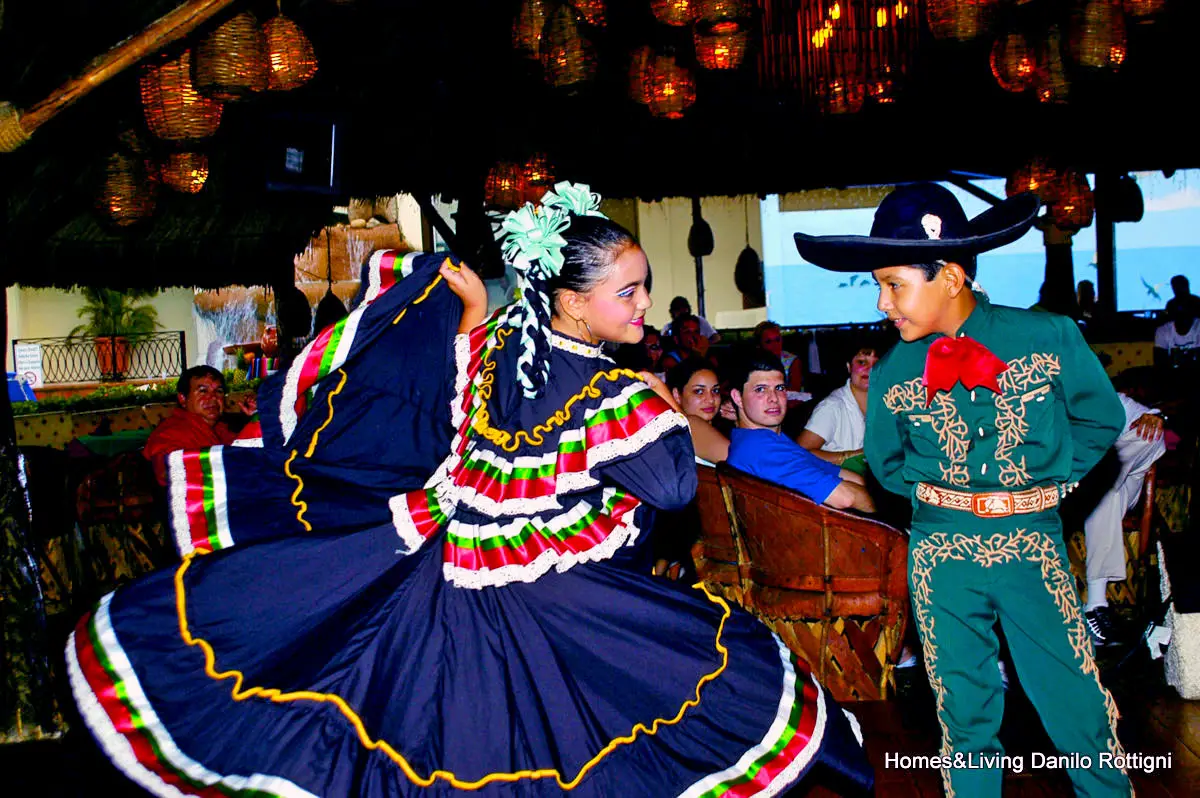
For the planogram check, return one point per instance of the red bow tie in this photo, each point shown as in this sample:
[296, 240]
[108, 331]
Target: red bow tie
[951, 360]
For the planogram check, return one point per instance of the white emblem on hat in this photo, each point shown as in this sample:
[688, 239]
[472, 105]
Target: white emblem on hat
[932, 225]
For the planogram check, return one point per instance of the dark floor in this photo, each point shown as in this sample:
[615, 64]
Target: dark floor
[1154, 720]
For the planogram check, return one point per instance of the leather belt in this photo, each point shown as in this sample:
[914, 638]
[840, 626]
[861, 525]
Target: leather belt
[994, 504]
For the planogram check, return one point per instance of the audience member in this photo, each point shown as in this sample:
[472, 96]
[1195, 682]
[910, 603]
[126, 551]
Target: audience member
[652, 343]
[757, 447]
[695, 387]
[769, 336]
[688, 341]
[1137, 448]
[198, 422]
[838, 425]
[680, 306]
[1177, 342]
[1085, 296]
[1183, 294]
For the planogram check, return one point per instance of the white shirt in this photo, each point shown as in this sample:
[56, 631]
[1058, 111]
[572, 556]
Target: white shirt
[1168, 338]
[840, 421]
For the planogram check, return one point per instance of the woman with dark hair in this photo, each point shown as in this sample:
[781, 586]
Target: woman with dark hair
[696, 388]
[441, 580]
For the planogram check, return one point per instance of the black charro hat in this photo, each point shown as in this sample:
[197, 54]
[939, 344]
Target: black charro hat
[921, 223]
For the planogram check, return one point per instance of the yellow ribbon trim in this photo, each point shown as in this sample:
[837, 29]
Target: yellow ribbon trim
[296, 501]
[238, 693]
[428, 289]
[312, 445]
[509, 441]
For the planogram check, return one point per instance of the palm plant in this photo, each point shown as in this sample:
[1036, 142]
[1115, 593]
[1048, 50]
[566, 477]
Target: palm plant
[110, 313]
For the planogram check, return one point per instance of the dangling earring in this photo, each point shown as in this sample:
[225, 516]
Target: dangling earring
[591, 339]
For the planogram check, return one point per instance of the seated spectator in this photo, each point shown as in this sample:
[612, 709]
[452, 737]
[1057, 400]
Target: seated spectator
[681, 307]
[769, 336]
[652, 344]
[688, 341]
[757, 446]
[1137, 448]
[838, 425]
[697, 390]
[1085, 297]
[1183, 294]
[1177, 342]
[198, 422]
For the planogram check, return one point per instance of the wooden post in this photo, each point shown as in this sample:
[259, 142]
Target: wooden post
[16, 126]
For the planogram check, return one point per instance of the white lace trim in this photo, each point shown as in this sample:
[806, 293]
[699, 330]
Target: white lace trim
[402, 521]
[116, 745]
[575, 347]
[462, 360]
[625, 534]
[656, 428]
[177, 488]
[784, 779]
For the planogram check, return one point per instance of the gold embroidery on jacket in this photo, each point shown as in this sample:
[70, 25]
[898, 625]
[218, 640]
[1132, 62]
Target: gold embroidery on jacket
[1011, 426]
[952, 432]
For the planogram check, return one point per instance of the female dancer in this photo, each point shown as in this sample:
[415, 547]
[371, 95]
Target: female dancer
[357, 616]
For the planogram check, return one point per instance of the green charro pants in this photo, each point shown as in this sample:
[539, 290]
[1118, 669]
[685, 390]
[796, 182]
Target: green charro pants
[1009, 570]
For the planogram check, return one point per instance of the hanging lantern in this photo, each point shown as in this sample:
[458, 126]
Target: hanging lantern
[505, 186]
[289, 53]
[231, 62]
[714, 10]
[527, 27]
[184, 171]
[128, 196]
[959, 20]
[1013, 62]
[537, 176]
[1098, 35]
[568, 59]
[717, 50]
[592, 11]
[671, 89]
[174, 110]
[1142, 11]
[672, 12]
[1050, 76]
[1037, 176]
[1074, 205]
[639, 67]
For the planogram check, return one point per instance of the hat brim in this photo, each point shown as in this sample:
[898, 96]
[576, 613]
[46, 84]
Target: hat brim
[995, 227]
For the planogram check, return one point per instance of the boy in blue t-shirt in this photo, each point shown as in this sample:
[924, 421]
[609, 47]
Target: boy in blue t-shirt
[757, 447]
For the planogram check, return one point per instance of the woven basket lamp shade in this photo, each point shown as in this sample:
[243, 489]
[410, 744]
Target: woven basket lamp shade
[129, 195]
[184, 171]
[592, 11]
[1037, 176]
[505, 186]
[639, 69]
[1098, 35]
[960, 20]
[670, 88]
[231, 62]
[538, 176]
[718, 49]
[527, 27]
[1050, 81]
[672, 12]
[1014, 62]
[174, 110]
[568, 59]
[1142, 11]
[1074, 204]
[290, 54]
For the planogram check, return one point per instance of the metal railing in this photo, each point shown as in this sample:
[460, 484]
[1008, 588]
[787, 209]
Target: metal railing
[109, 359]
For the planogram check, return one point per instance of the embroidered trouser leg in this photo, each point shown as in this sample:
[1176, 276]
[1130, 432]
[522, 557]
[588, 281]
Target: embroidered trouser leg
[961, 585]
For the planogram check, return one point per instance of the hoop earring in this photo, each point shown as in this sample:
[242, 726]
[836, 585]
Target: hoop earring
[590, 338]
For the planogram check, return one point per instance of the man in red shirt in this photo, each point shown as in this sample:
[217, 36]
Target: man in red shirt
[197, 422]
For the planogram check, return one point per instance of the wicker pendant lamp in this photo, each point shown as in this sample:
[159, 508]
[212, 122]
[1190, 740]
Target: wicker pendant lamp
[959, 20]
[1050, 78]
[1142, 11]
[1098, 35]
[537, 176]
[673, 12]
[639, 70]
[1014, 62]
[505, 185]
[722, 33]
[593, 12]
[128, 195]
[671, 89]
[1038, 176]
[568, 59]
[527, 27]
[186, 172]
[1074, 205]
[174, 110]
[231, 62]
[290, 54]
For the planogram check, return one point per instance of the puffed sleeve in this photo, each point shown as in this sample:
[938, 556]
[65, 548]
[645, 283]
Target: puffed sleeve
[662, 474]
